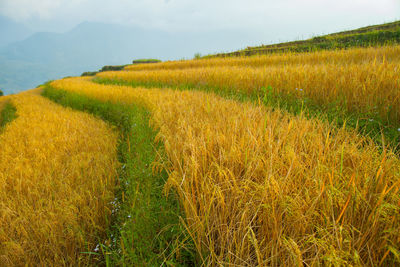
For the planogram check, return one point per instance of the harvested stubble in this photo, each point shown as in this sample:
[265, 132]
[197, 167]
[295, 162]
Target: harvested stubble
[390, 54]
[57, 171]
[262, 187]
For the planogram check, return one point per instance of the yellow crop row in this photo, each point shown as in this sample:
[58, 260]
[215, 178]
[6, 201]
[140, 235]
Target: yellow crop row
[350, 56]
[262, 187]
[366, 88]
[57, 172]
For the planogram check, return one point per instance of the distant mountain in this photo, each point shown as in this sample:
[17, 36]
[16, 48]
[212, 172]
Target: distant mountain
[89, 46]
[11, 31]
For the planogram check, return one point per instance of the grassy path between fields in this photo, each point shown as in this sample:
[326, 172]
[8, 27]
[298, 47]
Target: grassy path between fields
[145, 228]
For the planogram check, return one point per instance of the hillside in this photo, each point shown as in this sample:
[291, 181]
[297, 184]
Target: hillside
[11, 31]
[26, 61]
[274, 159]
[89, 46]
[283, 159]
[375, 35]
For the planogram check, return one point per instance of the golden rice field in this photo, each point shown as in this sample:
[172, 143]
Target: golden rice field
[263, 187]
[358, 80]
[390, 54]
[57, 171]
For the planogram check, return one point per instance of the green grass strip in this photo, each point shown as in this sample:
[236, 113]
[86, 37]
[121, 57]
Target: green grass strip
[382, 131]
[144, 228]
[7, 115]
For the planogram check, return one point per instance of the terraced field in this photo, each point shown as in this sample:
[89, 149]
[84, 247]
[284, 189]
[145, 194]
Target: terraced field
[365, 81]
[277, 160]
[263, 187]
[57, 174]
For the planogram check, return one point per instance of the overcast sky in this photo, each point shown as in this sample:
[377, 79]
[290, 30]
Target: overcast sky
[271, 20]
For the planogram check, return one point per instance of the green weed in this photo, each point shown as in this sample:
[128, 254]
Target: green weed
[7, 115]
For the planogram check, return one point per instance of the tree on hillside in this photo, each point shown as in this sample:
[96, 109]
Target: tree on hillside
[1, 93]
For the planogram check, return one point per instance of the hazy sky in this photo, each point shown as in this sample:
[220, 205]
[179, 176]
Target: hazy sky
[274, 19]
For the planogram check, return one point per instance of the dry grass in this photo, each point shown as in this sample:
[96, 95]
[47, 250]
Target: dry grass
[262, 187]
[57, 171]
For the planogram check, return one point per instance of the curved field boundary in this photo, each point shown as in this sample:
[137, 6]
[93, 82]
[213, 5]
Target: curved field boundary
[144, 228]
[57, 174]
[262, 187]
[382, 131]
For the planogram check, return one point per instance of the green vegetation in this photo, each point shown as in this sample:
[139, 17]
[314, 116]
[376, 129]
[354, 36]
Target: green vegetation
[112, 68]
[376, 35]
[368, 124]
[144, 228]
[119, 67]
[7, 114]
[197, 56]
[105, 68]
[1, 93]
[89, 73]
[145, 61]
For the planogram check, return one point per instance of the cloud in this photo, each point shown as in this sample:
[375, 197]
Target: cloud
[25, 9]
[197, 15]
